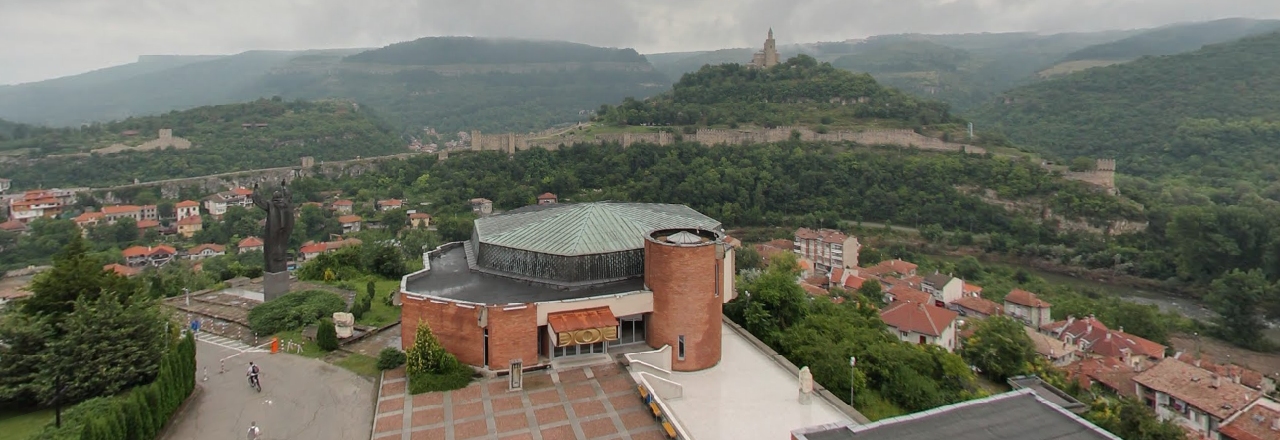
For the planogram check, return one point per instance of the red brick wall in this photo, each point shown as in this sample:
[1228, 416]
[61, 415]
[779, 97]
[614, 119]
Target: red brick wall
[683, 281]
[513, 334]
[455, 326]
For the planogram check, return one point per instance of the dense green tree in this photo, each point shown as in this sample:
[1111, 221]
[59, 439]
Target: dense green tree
[747, 258]
[121, 338]
[74, 275]
[999, 347]
[1238, 297]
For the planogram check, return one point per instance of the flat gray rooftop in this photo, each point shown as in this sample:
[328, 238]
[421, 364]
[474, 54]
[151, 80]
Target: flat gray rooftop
[1016, 415]
[746, 396]
[451, 278]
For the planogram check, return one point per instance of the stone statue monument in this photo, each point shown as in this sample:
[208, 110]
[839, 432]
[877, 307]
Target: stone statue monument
[276, 239]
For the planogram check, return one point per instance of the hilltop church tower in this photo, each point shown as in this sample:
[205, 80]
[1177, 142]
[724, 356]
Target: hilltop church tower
[768, 57]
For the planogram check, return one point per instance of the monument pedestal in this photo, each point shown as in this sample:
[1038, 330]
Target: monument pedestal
[274, 285]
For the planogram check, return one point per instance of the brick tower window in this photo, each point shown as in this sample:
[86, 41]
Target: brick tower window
[681, 355]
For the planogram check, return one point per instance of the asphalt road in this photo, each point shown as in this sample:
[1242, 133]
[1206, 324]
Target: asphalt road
[301, 398]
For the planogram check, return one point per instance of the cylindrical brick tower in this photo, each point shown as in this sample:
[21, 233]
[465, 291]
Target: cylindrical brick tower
[684, 269]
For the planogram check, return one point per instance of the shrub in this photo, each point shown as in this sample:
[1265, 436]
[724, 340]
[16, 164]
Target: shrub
[294, 310]
[390, 358]
[327, 335]
[453, 375]
[426, 355]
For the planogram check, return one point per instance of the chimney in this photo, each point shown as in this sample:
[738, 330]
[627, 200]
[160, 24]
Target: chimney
[1217, 381]
[1275, 424]
[1121, 329]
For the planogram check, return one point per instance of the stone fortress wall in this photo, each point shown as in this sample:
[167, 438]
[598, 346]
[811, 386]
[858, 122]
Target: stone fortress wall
[220, 182]
[512, 142]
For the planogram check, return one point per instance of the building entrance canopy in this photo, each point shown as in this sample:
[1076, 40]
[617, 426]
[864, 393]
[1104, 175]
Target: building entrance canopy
[587, 326]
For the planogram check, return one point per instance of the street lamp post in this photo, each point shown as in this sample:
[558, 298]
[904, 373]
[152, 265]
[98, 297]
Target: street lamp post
[853, 376]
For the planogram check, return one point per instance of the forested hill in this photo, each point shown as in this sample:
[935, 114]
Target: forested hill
[1172, 39]
[471, 50]
[1212, 113]
[281, 133]
[449, 84]
[800, 91]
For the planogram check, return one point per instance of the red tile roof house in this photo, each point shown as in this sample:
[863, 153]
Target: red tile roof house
[1236, 373]
[186, 208]
[976, 307]
[919, 323]
[312, 250]
[1103, 372]
[1027, 307]
[350, 223]
[138, 256]
[1093, 337]
[249, 244]
[13, 226]
[547, 199]
[1258, 421]
[207, 250]
[122, 270]
[389, 204]
[1192, 397]
[420, 219]
[343, 206]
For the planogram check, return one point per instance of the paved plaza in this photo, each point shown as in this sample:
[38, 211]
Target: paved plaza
[301, 398]
[588, 403]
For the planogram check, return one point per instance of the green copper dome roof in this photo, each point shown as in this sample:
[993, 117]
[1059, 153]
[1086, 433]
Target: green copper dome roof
[585, 228]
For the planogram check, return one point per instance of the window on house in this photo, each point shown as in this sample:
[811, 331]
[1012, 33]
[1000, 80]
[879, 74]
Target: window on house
[904, 334]
[681, 354]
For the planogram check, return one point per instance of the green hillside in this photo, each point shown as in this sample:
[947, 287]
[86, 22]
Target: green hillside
[1211, 113]
[1173, 39]
[48, 157]
[963, 70]
[450, 84]
[471, 50]
[799, 91]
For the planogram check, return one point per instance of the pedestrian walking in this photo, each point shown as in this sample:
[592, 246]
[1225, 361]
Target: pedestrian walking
[254, 432]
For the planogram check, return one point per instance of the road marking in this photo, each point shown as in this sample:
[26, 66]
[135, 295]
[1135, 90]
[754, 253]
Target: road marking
[227, 343]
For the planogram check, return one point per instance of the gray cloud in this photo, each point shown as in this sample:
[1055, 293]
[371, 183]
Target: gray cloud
[50, 38]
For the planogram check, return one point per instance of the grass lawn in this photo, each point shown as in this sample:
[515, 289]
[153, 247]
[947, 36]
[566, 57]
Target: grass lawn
[380, 313]
[875, 407]
[309, 348]
[360, 364]
[21, 425]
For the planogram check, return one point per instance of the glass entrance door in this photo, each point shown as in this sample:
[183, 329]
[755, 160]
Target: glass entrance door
[574, 350]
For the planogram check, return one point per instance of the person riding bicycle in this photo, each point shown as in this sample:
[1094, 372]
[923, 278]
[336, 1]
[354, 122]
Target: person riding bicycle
[253, 374]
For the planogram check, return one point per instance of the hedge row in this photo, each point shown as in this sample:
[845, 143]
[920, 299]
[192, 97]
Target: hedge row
[139, 413]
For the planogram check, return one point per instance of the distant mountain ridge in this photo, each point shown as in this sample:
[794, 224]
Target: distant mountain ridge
[472, 50]
[205, 140]
[1212, 113]
[1175, 38]
[446, 83]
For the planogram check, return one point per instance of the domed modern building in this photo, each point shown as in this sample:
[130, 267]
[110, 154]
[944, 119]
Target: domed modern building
[551, 281]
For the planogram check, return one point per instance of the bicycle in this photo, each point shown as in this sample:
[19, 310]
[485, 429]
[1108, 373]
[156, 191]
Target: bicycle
[255, 383]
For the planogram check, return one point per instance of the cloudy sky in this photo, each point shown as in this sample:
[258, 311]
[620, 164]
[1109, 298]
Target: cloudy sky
[50, 38]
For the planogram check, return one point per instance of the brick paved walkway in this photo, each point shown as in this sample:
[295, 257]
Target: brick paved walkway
[588, 403]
